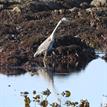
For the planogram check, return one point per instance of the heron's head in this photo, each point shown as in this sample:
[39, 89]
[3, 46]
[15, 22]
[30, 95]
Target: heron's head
[64, 19]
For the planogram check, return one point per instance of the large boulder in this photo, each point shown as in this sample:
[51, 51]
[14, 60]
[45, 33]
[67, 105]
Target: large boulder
[98, 3]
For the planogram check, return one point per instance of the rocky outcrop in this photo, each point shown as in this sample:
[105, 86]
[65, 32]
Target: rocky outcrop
[98, 3]
[22, 32]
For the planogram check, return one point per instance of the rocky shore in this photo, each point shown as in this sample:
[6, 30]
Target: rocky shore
[24, 25]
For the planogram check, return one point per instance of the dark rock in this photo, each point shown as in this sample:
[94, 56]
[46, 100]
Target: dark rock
[84, 5]
[84, 103]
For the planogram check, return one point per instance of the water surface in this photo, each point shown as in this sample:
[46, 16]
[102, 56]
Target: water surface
[90, 84]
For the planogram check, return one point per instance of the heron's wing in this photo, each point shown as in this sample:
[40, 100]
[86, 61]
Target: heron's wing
[44, 46]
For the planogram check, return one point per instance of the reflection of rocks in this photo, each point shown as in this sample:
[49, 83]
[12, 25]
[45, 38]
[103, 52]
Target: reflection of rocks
[70, 63]
[105, 57]
[9, 71]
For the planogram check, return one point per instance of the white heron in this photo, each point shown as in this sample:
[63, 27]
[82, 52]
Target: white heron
[48, 43]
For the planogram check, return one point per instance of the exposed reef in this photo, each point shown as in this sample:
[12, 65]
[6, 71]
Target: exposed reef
[23, 27]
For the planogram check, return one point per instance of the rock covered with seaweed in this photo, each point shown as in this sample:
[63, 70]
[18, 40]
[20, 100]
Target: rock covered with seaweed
[24, 27]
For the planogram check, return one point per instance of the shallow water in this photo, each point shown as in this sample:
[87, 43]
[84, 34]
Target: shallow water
[90, 84]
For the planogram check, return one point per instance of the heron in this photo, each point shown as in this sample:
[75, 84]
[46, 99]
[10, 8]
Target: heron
[47, 45]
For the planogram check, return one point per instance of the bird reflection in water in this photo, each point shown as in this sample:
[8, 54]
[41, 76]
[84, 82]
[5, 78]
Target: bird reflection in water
[47, 73]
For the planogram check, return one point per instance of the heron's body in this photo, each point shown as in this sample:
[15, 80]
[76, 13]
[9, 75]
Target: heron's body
[48, 43]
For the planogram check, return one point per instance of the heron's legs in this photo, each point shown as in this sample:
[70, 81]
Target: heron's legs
[45, 55]
[44, 59]
[44, 63]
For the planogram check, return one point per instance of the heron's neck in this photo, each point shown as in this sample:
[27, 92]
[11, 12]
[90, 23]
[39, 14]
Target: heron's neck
[53, 33]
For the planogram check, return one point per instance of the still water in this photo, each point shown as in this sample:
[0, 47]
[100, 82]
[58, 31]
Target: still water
[90, 83]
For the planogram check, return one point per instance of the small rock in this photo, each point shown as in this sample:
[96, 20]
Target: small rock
[16, 9]
[9, 85]
[34, 92]
[84, 5]
[74, 9]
